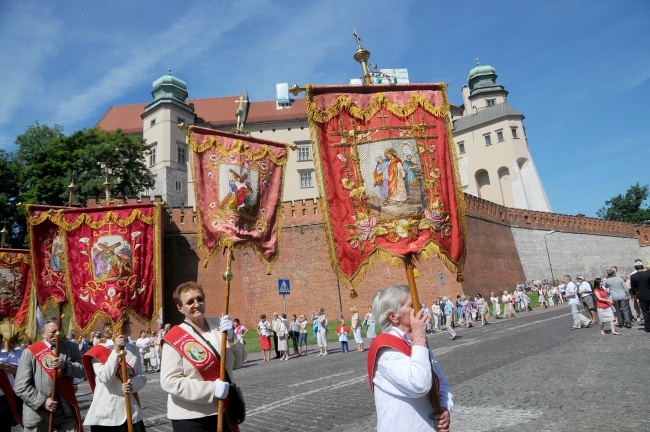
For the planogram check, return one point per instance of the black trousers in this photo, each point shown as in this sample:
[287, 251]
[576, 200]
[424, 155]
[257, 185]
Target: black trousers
[645, 311]
[7, 419]
[275, 344]
[294, 339]
[201, 424]
[137, 427]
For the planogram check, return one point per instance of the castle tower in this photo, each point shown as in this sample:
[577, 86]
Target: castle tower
[170, 156]
[493, 152]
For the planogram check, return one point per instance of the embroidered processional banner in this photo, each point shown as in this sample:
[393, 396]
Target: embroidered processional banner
[238, 183]
[16, 303]
[104, 261]
[387, 172]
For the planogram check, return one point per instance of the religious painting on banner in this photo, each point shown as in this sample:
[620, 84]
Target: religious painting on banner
[387, 172]
[238, 184]
[109, 258]
[16, 302]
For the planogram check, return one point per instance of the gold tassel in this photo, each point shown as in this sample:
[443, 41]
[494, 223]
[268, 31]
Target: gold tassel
[205, 263]
[353, 293]
[268, 271]
[460, 277]
[416, 272]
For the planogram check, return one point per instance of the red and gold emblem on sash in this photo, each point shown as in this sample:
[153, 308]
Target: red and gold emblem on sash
[46, 361]
[195, 351]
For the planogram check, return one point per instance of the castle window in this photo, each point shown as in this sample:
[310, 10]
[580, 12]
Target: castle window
[181, 155]
[461, 147]
[514, 133]
[490, 102]
[178, 186]
[306, 179]
[304, 152]
[152, 123]
[152, 157]
[488, 139]
[500, 135]
[180, 120]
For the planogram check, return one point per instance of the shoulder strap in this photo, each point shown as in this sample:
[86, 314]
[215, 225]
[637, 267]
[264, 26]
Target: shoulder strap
[384, 340]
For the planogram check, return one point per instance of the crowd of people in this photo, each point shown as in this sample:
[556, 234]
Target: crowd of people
[188, 355]
[279, 333]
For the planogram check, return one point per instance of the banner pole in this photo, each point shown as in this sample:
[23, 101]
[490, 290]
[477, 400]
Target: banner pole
[408, 263]
[125, 378]
[227, 276]
[57, 352]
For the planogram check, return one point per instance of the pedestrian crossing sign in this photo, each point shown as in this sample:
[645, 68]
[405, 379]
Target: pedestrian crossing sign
[284, 286]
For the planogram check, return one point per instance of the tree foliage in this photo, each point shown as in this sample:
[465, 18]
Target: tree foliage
[628, 207]
[43, 165]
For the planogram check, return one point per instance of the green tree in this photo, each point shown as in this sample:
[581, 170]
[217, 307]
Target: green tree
[9, 181]
[628, 207]
[46, 160]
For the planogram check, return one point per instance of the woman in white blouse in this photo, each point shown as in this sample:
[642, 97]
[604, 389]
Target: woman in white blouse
[402, 383]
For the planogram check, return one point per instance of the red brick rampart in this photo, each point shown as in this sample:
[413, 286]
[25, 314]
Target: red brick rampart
[493, 263]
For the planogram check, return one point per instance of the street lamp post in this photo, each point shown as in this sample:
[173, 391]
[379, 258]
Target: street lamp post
[549, 256]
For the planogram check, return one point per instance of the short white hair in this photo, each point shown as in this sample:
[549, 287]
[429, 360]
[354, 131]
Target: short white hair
[389, 300]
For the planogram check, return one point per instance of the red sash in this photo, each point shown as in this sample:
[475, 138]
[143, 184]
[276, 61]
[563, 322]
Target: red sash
[5, 386]
[201, 358]
[65, 385]
[101, 354]
[387, 340]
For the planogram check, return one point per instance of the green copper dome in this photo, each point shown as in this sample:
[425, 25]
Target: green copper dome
[169, 86]
[483, 79]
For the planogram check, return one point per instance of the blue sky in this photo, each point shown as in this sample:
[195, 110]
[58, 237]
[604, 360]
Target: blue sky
[578, 70]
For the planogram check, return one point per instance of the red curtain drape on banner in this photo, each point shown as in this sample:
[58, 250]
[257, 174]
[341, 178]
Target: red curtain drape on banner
[16, 307]
[388, 177]
[238, 182]
[106, 261]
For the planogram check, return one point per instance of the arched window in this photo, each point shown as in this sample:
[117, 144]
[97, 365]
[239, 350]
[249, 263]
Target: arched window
[506, 187]
[483, 184]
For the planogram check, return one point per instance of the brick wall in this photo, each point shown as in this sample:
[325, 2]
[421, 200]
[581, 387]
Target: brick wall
[504, 247]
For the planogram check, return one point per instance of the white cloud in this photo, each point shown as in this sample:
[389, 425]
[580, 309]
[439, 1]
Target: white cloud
[191, 35]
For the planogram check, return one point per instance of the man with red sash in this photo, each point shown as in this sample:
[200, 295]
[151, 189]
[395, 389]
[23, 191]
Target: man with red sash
[11, 407]
[402, 370]
[34, 383]
[103, 365]
[189, 371]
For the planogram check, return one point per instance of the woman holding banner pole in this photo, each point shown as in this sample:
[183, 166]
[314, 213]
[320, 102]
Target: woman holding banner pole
[108, 410]
[191, 361]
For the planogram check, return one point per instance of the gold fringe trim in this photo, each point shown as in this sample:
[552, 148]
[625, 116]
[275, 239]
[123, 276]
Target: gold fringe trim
[240, 147]
[379, 101]
[57, 218]
[21, 258]
[430, 249]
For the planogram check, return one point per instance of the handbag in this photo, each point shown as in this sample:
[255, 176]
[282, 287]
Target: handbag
[281, 333]
[237, 404]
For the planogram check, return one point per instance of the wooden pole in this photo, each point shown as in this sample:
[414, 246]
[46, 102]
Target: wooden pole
[125, 377]
[57, 351]
[227, 276]
[433, 394]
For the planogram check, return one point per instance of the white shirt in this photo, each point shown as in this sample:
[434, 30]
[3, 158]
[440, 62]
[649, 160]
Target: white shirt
[402, 385]
[571, 289]
[13, 358]
[585, 288]
[264, 328]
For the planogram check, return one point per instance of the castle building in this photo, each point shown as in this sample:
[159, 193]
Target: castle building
[494, 157]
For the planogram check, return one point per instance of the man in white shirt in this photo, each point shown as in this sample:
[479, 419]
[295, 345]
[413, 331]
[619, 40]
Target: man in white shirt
[401, 374]
[586, 297]
[571, 294]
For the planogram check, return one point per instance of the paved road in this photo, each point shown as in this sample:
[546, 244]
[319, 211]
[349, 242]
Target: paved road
[527, 374]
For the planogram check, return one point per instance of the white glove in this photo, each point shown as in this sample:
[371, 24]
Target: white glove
[225, 326]
[221, 389]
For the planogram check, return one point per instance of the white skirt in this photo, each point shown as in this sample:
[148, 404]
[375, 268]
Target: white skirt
[605, 315]
[357, 335]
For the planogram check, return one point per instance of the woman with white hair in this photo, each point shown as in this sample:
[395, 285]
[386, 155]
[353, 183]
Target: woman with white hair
[402, 371]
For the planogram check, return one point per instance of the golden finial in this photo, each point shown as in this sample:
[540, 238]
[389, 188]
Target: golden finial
[4, 232]
[362, 56]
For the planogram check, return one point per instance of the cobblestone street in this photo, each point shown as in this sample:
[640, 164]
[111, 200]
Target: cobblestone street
[527, 374]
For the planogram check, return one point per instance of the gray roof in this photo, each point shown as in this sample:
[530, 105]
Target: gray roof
[485, 115]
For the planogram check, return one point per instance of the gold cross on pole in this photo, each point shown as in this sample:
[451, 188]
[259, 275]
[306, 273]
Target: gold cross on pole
[240, 112]
[356, 35]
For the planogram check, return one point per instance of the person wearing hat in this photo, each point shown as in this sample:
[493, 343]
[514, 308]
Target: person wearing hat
[640, 282]
[586, 297]
[635, 299]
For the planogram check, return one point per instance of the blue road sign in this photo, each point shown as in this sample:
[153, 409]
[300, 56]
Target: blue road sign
[284, 286]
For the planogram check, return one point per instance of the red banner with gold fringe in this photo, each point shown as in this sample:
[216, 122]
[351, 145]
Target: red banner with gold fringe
[388, 175]
[105, 261]
[16, 306]
[238, 182]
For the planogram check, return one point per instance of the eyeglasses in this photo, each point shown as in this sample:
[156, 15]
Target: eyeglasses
[198, 299]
